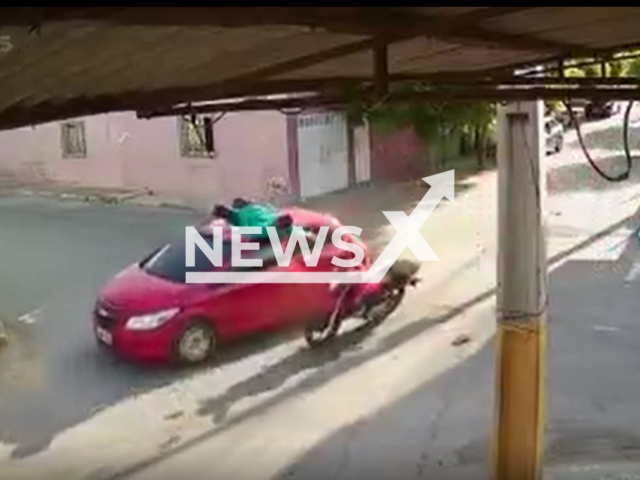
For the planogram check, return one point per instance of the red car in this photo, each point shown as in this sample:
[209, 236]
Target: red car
[147, 312]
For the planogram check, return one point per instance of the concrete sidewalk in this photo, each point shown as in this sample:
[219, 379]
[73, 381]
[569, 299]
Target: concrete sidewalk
[361, 205]
[11, 186]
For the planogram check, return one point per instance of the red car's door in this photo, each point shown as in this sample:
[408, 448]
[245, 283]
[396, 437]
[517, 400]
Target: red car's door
[240, 309]
[312, 300]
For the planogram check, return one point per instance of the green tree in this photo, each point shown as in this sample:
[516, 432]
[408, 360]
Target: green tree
[614, 67]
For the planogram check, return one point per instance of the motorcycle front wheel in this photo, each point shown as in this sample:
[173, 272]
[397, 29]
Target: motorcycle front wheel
[379, 312]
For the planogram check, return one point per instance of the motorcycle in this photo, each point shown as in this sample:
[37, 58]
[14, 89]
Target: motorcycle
[372, 302]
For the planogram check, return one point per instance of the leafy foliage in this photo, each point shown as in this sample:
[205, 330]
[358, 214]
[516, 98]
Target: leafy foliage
[446, 129]
[614, 68]
[430, 120]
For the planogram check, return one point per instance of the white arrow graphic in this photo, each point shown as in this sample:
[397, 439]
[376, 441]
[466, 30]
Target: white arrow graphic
[407, 235]
[408, 228]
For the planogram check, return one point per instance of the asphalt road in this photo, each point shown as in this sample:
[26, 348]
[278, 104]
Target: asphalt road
[54, 256]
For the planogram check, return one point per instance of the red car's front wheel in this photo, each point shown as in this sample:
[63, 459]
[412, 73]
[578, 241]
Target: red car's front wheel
[195, 344]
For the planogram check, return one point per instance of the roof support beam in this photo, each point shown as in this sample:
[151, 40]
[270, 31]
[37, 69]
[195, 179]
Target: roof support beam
[304, 61]
[381, 68]
[152, 102]
[438, 95]
[554, 68]
[551, 62]
[333, 86]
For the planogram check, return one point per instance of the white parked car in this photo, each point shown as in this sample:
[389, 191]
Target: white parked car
[554, 135]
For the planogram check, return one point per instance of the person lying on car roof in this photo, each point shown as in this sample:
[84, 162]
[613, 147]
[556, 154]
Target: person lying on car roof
[244, 213]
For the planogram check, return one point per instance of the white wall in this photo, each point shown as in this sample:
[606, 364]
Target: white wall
[323, 153]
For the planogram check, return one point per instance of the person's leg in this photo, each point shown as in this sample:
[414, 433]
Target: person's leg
[240, 203]
[220, 211]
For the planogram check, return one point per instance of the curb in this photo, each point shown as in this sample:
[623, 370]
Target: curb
[178, 206]
[144, 199]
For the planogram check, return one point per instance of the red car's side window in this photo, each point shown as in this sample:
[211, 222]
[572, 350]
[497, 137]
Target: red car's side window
[268, 256]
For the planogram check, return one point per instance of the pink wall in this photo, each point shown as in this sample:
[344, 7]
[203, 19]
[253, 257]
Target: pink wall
[124, 151]
[398, 156]
[34, 154]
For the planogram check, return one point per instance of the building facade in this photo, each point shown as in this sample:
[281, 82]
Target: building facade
[236, 154]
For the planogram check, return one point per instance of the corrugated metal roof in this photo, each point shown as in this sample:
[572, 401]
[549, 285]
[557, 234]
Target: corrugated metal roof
[58, 62]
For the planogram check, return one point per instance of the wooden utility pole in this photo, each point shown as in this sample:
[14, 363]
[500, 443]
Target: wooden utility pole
[521, 309]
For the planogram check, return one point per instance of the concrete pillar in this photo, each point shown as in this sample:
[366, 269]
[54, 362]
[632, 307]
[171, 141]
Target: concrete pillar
[521, 302]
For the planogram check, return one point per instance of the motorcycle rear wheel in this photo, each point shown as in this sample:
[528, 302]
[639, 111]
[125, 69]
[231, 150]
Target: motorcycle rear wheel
[324, 330]
[318, 334]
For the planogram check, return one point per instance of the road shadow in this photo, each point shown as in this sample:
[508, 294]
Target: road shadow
[106, 380]
[440, 430]
[336, 361]
[273, 377]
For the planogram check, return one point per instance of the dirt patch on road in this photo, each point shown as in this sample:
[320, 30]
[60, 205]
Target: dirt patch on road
[20, 364]
[4, 339]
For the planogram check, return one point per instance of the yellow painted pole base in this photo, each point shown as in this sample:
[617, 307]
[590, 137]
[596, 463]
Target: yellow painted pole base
[520, 399]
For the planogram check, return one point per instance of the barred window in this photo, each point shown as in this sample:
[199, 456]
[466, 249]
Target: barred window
[73, 139]
[193, 137]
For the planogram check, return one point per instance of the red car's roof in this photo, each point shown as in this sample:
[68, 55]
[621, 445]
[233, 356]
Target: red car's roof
[310, 218]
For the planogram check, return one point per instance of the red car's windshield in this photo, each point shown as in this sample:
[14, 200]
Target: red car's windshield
[169, 261]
